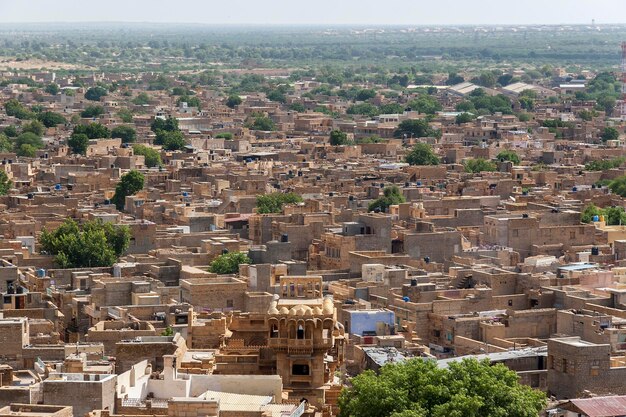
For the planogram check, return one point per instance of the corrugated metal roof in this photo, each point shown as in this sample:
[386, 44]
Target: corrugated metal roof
[601, 406]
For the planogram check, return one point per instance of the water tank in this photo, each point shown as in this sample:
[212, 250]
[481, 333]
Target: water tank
[419, 183]
[574, 189]
[41, 273]
[185, 194]
[107, 202]
[351, 198]
[413, 282]
[331, 194]
[57, 187]
[224, 251]
[525, 216]
[596, 218]
[427, 259]
[406, 184]
[284, 237]
[30, 196]
[595, 251]
[406, 299]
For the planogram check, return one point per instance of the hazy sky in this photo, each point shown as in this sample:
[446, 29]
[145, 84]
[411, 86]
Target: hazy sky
[406, 12]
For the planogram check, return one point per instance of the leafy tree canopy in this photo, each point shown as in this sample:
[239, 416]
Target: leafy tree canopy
[508, 156]
[51, 119]
[233, 101]
[418, 388]
[93, 131]
[274, 202]
[5, 183]
[151, 156]
[130, 183]
[92, 111]
[95, 244]
[337, 138]
[391, 196]
[417, 128]
[618, 186]
[228, 263]
[96, 93]
[78, 143]
[479, 165]
[422, 154]
[610, 133]
[126, 133]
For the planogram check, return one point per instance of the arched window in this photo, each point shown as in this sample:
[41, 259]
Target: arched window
[274, 331]
[300, 333]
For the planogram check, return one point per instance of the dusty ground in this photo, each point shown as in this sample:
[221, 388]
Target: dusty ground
[10, 62]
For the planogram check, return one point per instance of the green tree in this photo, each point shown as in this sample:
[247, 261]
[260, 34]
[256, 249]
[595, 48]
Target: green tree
[126, 133]
[78, 143]
[233, 101]
[190, 100]
[589, 212]
[610, 133]
[5, 183]
[618, 186]
[614, 216]
[93, 131]
[34, 126]
[604, 164]
[95, 244]
[141, 99]
[14, 108]
[170, 140]
[96, 93]
[365, 109]
[508, 156]
[228, 263]
[479, 165]
[170, 124]
[417, 128]
[92, 111]
[274, 202]
[486, 79]
[391, 196]
[130, 183]
[261, 122]
[51, 119]
[52, 89]
[464, 118]
[224, 135]
[151, 156]
[422, 154]
[418, 388]
[27, 150]
[126, 115]
[425, 104]
[337, 138]
[454, 78]
[5, 144]
[298, 107]
[11, 131]
[29, 138]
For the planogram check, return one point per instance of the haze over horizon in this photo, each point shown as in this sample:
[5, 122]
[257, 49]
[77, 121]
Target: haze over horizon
[342, 12]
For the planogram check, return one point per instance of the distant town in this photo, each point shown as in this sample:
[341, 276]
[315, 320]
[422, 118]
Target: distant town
[201, 228]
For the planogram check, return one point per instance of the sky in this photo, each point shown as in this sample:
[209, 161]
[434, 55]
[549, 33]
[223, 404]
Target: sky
[325, 12]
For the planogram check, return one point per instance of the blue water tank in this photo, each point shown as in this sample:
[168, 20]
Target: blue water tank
[185, 194]
[57, 187]
[419, 183]
[41, 273]
[596, 218]
[406, 299]
[574, 189]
